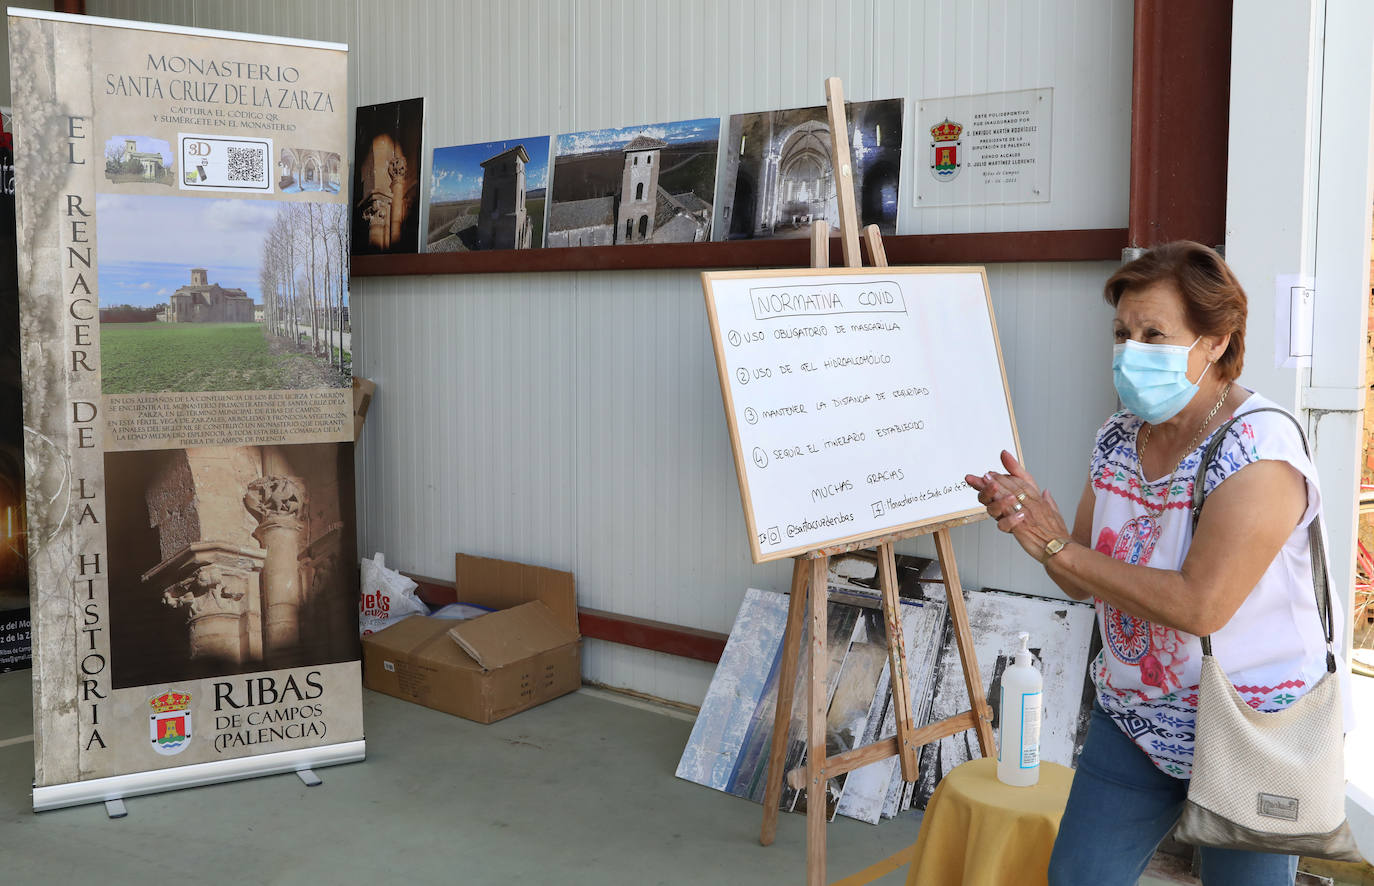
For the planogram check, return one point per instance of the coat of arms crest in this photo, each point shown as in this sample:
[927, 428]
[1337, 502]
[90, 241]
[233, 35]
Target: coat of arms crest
[169, 727]
[944, 150]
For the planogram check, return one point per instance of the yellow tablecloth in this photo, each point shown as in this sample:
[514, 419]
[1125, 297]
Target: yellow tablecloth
[980, 832]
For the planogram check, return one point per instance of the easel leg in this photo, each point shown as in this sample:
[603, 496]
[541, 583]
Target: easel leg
[787, 679]
[954, 597]
[896, 660]
[816, 701]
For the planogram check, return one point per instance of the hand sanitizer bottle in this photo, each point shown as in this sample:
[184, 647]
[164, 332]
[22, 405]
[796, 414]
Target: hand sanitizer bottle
[1018, 745]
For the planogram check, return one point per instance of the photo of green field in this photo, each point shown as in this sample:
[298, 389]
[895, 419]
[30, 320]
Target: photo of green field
[232, 295]
[141, 357]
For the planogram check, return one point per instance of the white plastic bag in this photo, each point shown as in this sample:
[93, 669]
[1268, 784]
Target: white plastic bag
[387, 597]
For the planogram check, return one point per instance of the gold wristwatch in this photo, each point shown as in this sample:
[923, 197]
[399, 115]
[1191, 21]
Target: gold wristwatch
[1052, 547]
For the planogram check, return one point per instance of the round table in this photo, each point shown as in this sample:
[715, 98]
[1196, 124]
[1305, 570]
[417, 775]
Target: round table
[980, 832]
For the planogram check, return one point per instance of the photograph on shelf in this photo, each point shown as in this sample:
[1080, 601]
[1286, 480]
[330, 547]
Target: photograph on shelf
[488, 196]
[386, 177]
[230, 560]
[778, 176]
[637, 184]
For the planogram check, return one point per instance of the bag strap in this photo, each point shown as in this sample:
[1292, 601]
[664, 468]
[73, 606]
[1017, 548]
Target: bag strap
[1321, 585]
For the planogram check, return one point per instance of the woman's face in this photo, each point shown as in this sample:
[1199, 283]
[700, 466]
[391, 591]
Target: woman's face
[1155, 316]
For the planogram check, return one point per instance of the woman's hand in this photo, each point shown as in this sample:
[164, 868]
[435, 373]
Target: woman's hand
[1019, 507]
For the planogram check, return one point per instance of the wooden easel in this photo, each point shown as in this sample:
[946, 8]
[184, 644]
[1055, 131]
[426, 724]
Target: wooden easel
[810, 573]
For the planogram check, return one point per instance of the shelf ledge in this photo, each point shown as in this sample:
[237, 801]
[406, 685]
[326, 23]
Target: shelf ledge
[1102, 244]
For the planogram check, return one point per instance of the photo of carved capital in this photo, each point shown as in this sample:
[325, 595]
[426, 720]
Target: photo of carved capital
[277, 502]
[274, 497]
[229, 560]
[216, 607]
[386, 177]
[204, 593]
[376, 208]
[212, 589]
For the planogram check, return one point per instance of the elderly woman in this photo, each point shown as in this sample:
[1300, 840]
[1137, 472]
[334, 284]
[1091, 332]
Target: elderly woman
[1244, 578]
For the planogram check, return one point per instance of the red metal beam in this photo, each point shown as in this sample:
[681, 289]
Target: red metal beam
[70, 7]
[656, 635]
[1018, 246]
[1180, 114]
[623, 629]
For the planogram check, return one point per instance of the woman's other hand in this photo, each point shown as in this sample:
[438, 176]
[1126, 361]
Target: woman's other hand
[1017, 504]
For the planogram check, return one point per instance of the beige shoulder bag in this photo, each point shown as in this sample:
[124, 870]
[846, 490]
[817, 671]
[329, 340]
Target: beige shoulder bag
[1269, 782]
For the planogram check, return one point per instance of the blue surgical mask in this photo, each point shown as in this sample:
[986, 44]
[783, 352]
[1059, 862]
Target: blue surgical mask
[1152, 380]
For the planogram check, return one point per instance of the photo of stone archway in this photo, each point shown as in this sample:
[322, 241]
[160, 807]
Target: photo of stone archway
[230, 560]
[302, 169]
[779, 176]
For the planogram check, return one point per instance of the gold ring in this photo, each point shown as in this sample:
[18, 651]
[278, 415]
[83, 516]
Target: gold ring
[1016, 507]
[1020, 496]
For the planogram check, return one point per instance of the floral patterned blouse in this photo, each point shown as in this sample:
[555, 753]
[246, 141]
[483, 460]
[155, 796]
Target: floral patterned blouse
[1272, 649]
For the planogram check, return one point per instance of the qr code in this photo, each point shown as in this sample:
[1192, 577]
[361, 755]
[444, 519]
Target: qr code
[245, 164]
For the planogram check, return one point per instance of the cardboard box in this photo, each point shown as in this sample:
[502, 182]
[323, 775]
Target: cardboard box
[525, 653]
[362, 401]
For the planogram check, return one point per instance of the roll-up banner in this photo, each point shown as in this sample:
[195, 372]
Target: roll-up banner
[188, 431]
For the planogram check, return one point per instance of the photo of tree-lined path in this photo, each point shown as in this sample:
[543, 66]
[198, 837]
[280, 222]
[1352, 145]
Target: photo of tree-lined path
[222, 295]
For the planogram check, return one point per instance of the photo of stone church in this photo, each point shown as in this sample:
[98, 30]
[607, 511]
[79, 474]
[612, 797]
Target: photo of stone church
[204, 302]
[488, 196]
[234, 294]
[779, 177]
[230, 560]
[638, 184]
[139, 158]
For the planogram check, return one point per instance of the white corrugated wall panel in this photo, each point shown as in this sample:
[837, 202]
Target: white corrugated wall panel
[574, 420]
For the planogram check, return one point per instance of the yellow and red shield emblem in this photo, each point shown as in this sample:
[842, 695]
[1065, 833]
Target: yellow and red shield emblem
[169, 726]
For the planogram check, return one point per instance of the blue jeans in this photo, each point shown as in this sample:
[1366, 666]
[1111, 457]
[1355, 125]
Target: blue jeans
[1120, 808]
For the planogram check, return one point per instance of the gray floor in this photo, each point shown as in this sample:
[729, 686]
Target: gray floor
[580, 790]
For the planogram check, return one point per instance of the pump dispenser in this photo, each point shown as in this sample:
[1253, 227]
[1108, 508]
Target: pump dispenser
[1018, 745]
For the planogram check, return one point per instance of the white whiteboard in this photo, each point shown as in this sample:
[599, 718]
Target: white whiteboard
[857, 399]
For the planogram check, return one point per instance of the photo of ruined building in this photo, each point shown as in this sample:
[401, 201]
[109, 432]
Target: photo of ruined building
[779, 178]
[488, 196]
[636, 184]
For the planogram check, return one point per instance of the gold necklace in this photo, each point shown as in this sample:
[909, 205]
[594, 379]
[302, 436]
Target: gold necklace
[1192, 444]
